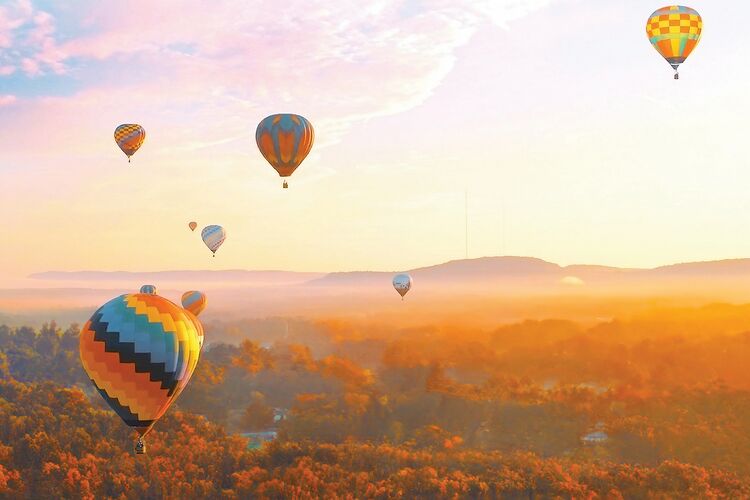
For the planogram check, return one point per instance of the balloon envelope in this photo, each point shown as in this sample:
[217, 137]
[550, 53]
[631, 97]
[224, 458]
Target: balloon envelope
[148, 289]
[213, 236]
[140, 351]
[402, 283]
[129, 137]
[284, 141]
[194, 301]
[193, 225]
[674, 32]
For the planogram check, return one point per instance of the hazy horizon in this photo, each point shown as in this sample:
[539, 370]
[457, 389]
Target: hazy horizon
[576, 319]
[547, 172]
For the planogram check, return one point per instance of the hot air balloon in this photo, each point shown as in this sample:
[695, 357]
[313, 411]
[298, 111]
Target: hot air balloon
[129, 137]
[213, 236]
[194, 301]
[402, 284]
[284, 141]
[140, 351]
[674, 32]
[148, 289]
[193, 225]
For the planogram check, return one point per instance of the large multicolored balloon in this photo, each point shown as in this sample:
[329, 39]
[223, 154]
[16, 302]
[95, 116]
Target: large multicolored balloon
[213, 236]
[284, 141]
[674, 32]
[194, 301]
[192, 225]
[140, 351]
[129, 137]
[402, 283]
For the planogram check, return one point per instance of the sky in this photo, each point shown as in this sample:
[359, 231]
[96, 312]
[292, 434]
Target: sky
[555, 119]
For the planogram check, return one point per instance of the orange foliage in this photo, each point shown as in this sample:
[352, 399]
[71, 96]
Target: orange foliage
[252, 358]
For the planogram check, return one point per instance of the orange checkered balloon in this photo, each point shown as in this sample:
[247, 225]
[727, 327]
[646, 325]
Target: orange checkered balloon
[674, 32]
[129, 137]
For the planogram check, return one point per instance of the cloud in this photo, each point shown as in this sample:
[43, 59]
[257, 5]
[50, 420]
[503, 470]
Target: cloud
[572, 281]
[502, 13]
[29, 36]
[211, 72]
[7, 99]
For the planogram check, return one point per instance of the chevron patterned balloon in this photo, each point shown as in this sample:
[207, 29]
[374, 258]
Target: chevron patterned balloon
[140, 351]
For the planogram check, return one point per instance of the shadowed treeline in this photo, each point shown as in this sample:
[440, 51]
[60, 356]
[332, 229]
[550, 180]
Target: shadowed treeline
[546, 407]
[56, 445]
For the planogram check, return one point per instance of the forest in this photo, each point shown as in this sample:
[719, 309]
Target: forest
[655, 406]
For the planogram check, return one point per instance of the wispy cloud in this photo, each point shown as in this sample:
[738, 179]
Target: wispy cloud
[29, 36]
[7, 99]
[338, 62]
[199, 76]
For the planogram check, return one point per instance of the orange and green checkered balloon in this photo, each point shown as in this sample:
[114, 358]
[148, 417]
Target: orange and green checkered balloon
[140, 351]
[674, 32]
[129, 137]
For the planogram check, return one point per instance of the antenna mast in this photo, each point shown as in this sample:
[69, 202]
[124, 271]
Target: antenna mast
[466, 221]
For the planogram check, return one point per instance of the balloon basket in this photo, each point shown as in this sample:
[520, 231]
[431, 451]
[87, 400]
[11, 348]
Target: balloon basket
[140, 447]
[285, 185]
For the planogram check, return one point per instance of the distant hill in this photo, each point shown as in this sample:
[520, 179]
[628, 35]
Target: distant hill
[489, 270]
[482, 271]
[467, 270]
[514, 282]
[225, 276]
[729, 267]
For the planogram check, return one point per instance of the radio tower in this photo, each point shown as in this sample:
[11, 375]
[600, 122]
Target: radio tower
[466, 222]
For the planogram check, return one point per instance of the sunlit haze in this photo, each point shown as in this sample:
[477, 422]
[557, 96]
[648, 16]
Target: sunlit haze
[557, 120]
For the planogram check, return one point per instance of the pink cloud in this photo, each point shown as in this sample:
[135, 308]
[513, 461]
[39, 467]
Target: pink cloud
[7, 99]
[10, 19]
[323, 54]
[30, 67]
[338, 63]
[30, 34]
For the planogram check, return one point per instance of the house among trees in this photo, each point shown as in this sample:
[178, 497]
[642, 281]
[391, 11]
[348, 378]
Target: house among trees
[279, 414]
[258, 439]
[598, 436]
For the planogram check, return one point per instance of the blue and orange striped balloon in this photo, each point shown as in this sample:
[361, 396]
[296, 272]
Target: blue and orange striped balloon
[284, 140]
[194, 301]
[140, 351]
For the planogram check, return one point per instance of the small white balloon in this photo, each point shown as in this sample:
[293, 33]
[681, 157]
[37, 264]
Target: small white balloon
[402, 283]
